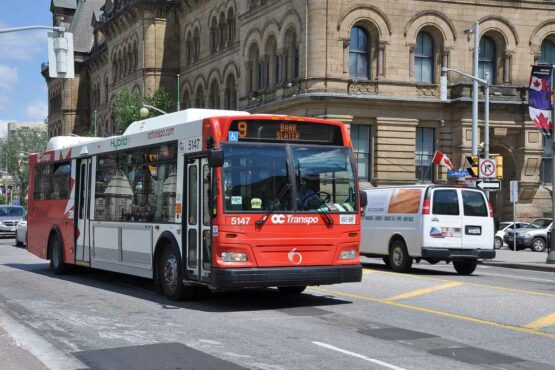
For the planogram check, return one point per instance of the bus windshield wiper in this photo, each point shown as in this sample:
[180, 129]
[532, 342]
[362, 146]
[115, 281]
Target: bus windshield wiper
[273, 205]
[325, 215]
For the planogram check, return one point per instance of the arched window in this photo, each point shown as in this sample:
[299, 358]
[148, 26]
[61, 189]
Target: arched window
[548, 52]
[222, 31]
[214, 99]
[199, 98]
[271, 72]
[189, 48]
[291, 56]
[196, 45]
[359, 54]
[230, 95]
[214, 35]
[186, 99]
[230, 26]
[487, 59]
[424, 58]
[253, 72]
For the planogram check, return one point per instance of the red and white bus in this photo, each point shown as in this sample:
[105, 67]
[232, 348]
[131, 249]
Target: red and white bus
[218, 198]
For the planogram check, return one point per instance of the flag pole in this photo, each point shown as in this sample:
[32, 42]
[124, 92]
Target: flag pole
[551, 255]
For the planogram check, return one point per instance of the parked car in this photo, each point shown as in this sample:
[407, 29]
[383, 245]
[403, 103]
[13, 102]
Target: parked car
[503, 228]
[533, 236]
[430, 222]
[21, 232]
[9, 218]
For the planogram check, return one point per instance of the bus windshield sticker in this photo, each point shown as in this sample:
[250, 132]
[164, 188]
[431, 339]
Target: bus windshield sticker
[236, 200]
[233, 136]
[347, 219]
[256, 203]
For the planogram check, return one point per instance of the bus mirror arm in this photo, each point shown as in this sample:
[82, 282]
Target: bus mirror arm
[216, 157]
[363, 201]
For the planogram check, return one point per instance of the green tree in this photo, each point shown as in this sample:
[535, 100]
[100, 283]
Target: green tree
[128, 104]
[14, 152]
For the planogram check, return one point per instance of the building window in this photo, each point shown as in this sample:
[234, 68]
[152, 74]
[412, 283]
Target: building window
[546, 176]
[548, 52]
[425, 139]
[359, 54]
[360, 136]
[424, 58]
[487, 59]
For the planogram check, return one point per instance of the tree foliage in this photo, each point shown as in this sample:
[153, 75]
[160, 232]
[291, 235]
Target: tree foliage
[128, 105]
[14, 152]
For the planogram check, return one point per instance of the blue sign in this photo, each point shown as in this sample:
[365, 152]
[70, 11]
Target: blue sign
[458, 174]
[233, 136]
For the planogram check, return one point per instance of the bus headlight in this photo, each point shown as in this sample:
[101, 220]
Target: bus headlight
[233, 257]
[348, 254]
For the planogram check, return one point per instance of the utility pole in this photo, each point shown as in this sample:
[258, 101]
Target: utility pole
[178, 93]
[475, 132]
[486, 116]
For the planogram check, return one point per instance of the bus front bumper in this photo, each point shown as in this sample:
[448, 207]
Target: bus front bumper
[284, 276]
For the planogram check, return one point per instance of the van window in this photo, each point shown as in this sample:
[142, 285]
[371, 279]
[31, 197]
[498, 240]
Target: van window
[446, 202]
[474, 204]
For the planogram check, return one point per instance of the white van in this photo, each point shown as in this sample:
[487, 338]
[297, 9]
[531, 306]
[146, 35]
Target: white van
[430, 222]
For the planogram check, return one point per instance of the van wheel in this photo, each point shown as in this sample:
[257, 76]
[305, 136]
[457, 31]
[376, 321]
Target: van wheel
[291, 290]
[170, 274]
[538, 245]
[465, 267]
[399, 259]
[497, 243]
[57, 265]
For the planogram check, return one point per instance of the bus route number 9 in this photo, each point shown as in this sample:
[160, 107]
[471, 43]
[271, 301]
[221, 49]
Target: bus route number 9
[242, 128]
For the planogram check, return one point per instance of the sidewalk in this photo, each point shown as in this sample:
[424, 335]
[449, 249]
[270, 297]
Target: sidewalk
[14, 356]
[525, 260]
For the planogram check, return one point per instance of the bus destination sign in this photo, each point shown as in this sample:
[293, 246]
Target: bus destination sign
[276, 130]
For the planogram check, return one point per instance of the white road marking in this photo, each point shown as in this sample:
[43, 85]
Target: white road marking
[44, 351]
[362, 357]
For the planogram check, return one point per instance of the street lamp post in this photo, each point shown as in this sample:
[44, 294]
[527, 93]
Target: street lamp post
[144, 110]
[475, 68]
[551, 255]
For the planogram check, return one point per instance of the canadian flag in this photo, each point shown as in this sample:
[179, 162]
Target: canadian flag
[537, 84]
[442, 160]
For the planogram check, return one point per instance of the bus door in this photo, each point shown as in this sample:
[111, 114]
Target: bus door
[197, 236]
[83, 214]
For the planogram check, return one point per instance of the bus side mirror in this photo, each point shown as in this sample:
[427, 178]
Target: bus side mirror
[363, 200]
[216, 158]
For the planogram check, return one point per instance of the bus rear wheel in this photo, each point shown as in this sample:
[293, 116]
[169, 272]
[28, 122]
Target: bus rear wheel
[170, 274]
[57, 265]
[291, 290]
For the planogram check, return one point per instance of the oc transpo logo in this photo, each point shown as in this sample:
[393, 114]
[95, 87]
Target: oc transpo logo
[295, 257]
[278, 219]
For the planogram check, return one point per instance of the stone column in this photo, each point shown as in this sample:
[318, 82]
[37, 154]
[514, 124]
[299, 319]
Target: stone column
[381, 58]
[412, 50]
[507, 66]
[393, 158]
[445, 57]
[346, 43]
[281, 52]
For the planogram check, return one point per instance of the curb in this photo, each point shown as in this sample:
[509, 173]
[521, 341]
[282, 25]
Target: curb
[520, 266]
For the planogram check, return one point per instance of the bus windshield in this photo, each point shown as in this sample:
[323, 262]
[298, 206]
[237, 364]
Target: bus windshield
[254, 175]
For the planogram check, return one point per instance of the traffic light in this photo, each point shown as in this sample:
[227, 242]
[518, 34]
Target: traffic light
[499, 162]
[472, 167]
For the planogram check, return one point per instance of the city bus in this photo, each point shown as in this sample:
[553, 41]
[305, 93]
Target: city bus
[223, 199]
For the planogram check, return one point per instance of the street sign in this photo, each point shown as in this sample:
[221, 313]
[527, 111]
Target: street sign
[487, 168]
[457, 174]
[488, 184]
[513, 193]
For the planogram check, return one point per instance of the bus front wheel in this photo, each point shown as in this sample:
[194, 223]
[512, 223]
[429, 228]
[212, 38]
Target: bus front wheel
[170, 274]
[56, 255]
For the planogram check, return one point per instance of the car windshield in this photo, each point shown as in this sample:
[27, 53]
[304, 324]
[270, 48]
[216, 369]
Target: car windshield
[255, 174]
[11, 211]
[324, 178]
[540, 223]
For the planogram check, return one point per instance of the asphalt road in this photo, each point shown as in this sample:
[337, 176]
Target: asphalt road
[429, 319]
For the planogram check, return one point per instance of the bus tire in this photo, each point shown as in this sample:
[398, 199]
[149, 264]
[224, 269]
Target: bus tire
[57, 265]
[399, 259]
[170, 274]
[465, 267]
[291, 290]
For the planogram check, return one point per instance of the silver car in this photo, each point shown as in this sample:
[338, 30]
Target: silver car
[21, 232]
[533, 236]
[9, 218]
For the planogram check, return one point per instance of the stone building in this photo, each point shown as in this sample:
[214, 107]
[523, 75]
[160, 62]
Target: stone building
[375, 65]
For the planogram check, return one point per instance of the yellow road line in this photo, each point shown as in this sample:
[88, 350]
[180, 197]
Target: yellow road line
[437, 312]
[542, 322]
[368, 272]
[512, 290]
[418, 292]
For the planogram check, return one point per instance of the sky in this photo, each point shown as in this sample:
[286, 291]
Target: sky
[23, 91]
